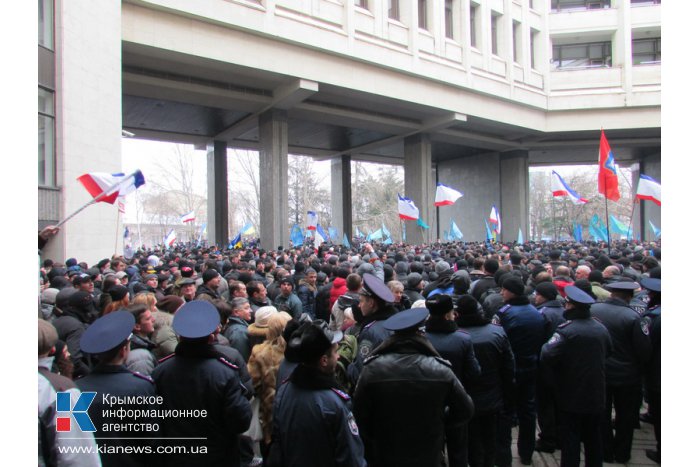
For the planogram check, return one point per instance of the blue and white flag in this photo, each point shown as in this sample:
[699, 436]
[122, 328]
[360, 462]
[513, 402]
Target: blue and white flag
[321, 232]
[189, 217]
[170, 238]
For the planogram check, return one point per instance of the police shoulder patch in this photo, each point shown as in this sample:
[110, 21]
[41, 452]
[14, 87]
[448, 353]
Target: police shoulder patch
[341, 394]
[142, 376]
[365, 348]
[352, 424]
[555, 339]
[644, 324]
[228, 364]
[167, 357]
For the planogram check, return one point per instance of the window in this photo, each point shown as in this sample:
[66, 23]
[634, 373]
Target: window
[394, 9]
[46, 23]
[646, 51]
[533, 44]
[516, 42]
[590, 55]
[46, 138]
[473, 22]
[423, 14]
[573, 5]
[495, 19]
[645, 2]
[449, 19]
[362, 4]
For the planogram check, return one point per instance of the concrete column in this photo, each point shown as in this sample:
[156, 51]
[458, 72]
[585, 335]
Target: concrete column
[514, 206]
[420, 187]
[274, 196]
[649, 211]
[217, 194]
[341, 196]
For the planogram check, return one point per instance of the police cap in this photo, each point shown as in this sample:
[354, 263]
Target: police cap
[622, 285]
[196, 319]
[107, 332]
[651, 284]
[406, 320]
[576, 295]
[374, 287]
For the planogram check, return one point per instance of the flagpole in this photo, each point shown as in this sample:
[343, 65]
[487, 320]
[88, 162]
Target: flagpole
[554, 221]
[607, 218]
[116, 233]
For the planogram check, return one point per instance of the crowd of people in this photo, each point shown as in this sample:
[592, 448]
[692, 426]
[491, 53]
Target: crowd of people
[379, 355]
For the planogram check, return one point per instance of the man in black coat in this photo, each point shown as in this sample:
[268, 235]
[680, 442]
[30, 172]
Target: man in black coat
[624, 369]
[196, 378]
[573, 362]
[652, 379]
[405, 386]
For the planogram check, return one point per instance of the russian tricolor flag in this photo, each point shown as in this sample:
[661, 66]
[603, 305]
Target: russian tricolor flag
[311, 220]
[560, 188]
[649, 189]
[105, 188]
[444, 195]
[189, 217]
[407, 209]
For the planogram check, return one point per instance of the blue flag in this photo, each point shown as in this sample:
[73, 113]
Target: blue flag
[520, 236]
[655, 231]
[421, 223]
[376, 235]
[385, 231]
[296, 236]
[358, 233]
[403, 232]
[388, 241]
[617, 226]
[578, 232]
[489, 236]
[446, 236]
[346, 243]
[322, 232]
[236, 241]
[333, 232]
[455, 233]
[597, 230]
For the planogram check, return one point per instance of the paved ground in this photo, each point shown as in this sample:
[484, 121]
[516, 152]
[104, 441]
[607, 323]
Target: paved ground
[643, 440]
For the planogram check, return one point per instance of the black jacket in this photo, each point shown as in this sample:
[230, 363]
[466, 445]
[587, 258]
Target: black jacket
[485, 283]
[573, 363]
[372, 333]
[405, 386]
[553, 313]
[454, 345]
[631, 342]
[653, 374]
[198, 377]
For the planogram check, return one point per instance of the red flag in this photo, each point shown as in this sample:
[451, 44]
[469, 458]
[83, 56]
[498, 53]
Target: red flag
[607, 173]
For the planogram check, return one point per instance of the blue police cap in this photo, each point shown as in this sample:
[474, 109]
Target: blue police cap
[196, 319]
[107, 332]
[405, 320]
[622, 285]
[576, 295]
[374, 286]
[652, 284]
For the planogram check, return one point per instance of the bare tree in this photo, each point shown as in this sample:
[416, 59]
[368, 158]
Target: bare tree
[374, 197]
[307, 192]
[245, 187]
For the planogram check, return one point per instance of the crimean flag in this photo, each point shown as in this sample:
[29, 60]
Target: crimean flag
[607, 172]
[407, 209]
[560, 188]
[311, 220]
[170, 238]
[105, 188]
[495, 218]
[649, 189]
[189, 217]
[444, 195]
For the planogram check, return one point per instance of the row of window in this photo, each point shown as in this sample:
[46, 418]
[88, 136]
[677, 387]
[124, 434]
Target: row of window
[599, 54]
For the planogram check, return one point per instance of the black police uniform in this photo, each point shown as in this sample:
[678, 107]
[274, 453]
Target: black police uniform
[573, 363]
[652, 378]
[198, 377]
[106, 380]
[624, 371]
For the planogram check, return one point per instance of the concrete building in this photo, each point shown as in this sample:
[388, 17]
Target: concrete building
[469, 93]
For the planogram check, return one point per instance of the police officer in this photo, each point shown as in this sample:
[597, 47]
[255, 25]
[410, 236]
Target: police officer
[312, 422]
[108, 339]
[624, 369]
[573, 364]
[455, 346]
[405, 386]
[196, 378]
[653, 375]
[376, 302]
[525, 328]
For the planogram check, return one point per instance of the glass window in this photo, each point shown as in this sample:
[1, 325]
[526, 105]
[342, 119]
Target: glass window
[362, 4]
[473, 11]
[449, 20]
[645, 2]
[494, 33]
[46, 138]
[394, 10]
[516, 41]
[423, 14]
[572, 5]
[646, 51]
[533, 42]
[46, 23]
[589, 55]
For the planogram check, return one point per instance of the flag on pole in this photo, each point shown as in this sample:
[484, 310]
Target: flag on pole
[446, 236]
[385, 231]
[607, 172]
[376, 235]
[489, 235]
[444, 195]
[617, 226]
[656, 232]
[578, 232]
[201, 233]
[649, 189]
[311, 220]
[333, 233]
[318, 238]
[407, 209]
[296, 236]
[346, 243]
[455, 233]
[403, 232]
[597, 230]
[236, 242]
[421, 223]
[321, 232]
[520, 236]
[495, 218]
[170, 238]
[189, 217]
[358, 233]
[105, 188]
[560, 188]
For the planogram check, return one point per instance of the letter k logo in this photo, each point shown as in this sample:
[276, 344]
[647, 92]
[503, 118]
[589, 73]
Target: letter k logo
[79, 411]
